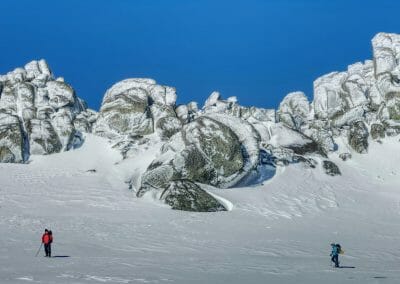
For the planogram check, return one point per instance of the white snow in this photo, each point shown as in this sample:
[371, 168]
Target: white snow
[278, 232]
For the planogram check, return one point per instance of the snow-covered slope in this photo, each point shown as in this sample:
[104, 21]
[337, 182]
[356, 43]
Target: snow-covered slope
[286, 183]
[278, 232]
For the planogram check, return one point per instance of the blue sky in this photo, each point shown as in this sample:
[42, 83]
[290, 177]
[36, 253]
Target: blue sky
[255, 50]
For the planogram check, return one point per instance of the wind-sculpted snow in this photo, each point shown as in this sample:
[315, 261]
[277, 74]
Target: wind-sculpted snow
[38, 113]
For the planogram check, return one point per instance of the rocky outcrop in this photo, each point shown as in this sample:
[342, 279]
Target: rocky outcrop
[188, 196]
[377, 131]
[358, 137]
[39, 113]
[137, 108]
[294, 110]
[220, 143]
[345, 156]
[11, 139]
[126, 109]
[331, 168]
[204, 151]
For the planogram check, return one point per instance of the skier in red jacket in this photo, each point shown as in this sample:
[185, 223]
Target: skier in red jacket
[47, 239]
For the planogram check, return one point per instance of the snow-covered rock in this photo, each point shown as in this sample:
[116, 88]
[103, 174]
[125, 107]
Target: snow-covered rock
[43, 111]
[358, 137]
[386, 53]
[377, 131]
[204, 151]
[188, 196]
[294, 110]
[138, 107]
[11, 139]
[219, 144]
[345, 156]
[43, 137]
[331, 168]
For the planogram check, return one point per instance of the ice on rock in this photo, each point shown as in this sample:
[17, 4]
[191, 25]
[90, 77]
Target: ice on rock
[205, 151]
[187, 113]
[377, 131]
[219, 144]
[138, 107]
[44, 67]
[349, 117]
[43, 138]
[84, 120]
[358, 137]
[212, 100]
[11, 139]
[125, 113]
[43, 112]
[182, 113]
[32, 70]
[294, 110]
[167, 126]
[60, 94]
[327, 95]
[247, 136]
[386, 51]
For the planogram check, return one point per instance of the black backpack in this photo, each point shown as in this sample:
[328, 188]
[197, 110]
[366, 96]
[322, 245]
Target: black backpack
[339, 248]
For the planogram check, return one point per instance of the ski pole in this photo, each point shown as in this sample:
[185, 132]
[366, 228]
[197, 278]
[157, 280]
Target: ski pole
[39, 249]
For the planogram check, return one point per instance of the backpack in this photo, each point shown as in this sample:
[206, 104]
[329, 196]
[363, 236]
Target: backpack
[339, 249]
[50, 236]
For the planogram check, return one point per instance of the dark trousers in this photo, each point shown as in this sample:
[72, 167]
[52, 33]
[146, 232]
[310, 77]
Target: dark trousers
[335, 259]
[47, 249]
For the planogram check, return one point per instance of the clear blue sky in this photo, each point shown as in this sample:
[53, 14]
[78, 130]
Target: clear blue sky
[255, 50]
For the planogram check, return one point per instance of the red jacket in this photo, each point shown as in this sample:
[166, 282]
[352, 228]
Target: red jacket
[46, 238]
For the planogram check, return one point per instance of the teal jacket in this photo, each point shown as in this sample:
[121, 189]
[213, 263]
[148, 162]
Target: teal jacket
[335, 250]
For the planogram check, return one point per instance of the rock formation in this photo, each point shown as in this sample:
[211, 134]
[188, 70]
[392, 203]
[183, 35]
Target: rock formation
[221, 143]
[39, 114]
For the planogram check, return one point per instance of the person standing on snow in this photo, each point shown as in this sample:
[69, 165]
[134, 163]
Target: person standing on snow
[47, 239]
[335, 254]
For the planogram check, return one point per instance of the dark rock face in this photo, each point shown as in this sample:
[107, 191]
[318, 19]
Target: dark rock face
[358, 137]
[345, 156]
[188, 196]
[377, 131]
[331, 168]
[309, 148]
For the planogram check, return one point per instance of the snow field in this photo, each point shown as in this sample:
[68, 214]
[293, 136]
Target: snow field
[278, 232]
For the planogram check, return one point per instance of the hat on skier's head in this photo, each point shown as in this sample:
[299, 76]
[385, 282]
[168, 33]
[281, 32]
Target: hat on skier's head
[46, 230]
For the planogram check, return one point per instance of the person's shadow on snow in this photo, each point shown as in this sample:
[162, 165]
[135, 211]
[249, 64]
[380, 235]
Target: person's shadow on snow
[60, 256]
